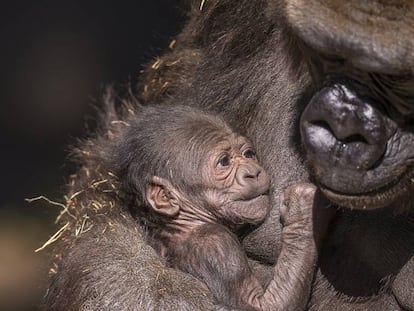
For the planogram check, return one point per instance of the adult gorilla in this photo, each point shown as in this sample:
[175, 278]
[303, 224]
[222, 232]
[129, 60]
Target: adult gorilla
[349, 66]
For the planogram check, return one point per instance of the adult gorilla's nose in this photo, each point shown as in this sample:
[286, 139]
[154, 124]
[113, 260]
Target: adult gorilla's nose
[341, 129]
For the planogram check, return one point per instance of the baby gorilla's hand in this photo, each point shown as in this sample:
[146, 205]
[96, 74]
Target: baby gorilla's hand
[296, 204]
[303, 210]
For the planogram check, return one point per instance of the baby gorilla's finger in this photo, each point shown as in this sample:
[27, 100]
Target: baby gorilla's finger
[296, 203]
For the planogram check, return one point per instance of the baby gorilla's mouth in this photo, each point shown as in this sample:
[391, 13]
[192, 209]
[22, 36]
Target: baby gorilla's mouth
[394, 190]
[259, 197]
[251, 209]
[255, 197]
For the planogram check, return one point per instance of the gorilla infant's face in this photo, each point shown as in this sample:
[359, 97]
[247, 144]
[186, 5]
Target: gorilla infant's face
[236, 186]
[358, 128]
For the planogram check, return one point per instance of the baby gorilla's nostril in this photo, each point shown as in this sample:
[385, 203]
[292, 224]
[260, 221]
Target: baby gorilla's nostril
[251, 174]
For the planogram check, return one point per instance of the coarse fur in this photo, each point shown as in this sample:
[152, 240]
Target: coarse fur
[248, 61]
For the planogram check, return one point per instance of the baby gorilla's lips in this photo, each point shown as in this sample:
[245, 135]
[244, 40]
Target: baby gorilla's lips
[252, 193]
[255, 197]
[259, 201]
[260, 196]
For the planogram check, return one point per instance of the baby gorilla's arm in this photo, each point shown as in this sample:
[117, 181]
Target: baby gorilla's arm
[305, 219]
[213, 254]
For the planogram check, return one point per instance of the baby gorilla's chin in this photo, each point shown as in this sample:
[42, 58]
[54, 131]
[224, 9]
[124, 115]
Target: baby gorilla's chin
[253, 211]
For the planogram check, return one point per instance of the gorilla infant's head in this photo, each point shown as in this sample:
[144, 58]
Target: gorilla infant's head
[177, 159]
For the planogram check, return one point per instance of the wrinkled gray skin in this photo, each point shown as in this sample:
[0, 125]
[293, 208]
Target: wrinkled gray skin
[260, 63]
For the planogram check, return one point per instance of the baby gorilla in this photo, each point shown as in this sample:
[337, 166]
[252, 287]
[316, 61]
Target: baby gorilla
[194, 182]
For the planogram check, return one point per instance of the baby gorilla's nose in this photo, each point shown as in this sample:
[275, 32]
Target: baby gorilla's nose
[249, 174]
[253, 179]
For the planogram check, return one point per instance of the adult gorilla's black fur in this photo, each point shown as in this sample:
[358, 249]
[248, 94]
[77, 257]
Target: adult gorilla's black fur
[250, 60]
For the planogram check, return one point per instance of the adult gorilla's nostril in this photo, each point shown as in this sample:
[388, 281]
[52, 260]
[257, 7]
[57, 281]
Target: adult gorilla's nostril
[343, 136]
[338, 128]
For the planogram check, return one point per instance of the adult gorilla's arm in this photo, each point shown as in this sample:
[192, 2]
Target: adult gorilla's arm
[112, 268]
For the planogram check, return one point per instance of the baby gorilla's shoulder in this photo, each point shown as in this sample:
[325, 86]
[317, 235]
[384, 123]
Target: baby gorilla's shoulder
[213, 238]
[213, 247]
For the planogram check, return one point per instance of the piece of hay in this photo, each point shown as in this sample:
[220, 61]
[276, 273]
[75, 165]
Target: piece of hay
[53, 238]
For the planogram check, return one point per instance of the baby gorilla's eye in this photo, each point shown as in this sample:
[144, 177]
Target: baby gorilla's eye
[224, 161]
[249, 153]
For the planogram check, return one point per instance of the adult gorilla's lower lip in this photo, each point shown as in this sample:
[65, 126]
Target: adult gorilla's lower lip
[396, 189]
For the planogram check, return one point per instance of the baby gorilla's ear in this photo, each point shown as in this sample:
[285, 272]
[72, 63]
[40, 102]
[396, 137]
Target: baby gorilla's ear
[160, 194]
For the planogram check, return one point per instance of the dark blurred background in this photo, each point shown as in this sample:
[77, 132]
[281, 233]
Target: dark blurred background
[56, 57]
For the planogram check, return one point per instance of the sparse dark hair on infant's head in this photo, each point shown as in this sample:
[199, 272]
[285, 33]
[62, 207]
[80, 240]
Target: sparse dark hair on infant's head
[160, 141]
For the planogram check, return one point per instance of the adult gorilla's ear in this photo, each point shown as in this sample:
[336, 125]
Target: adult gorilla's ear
[160, 194]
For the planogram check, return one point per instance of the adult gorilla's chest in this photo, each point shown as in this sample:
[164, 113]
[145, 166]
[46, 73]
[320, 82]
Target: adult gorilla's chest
[362, 259]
